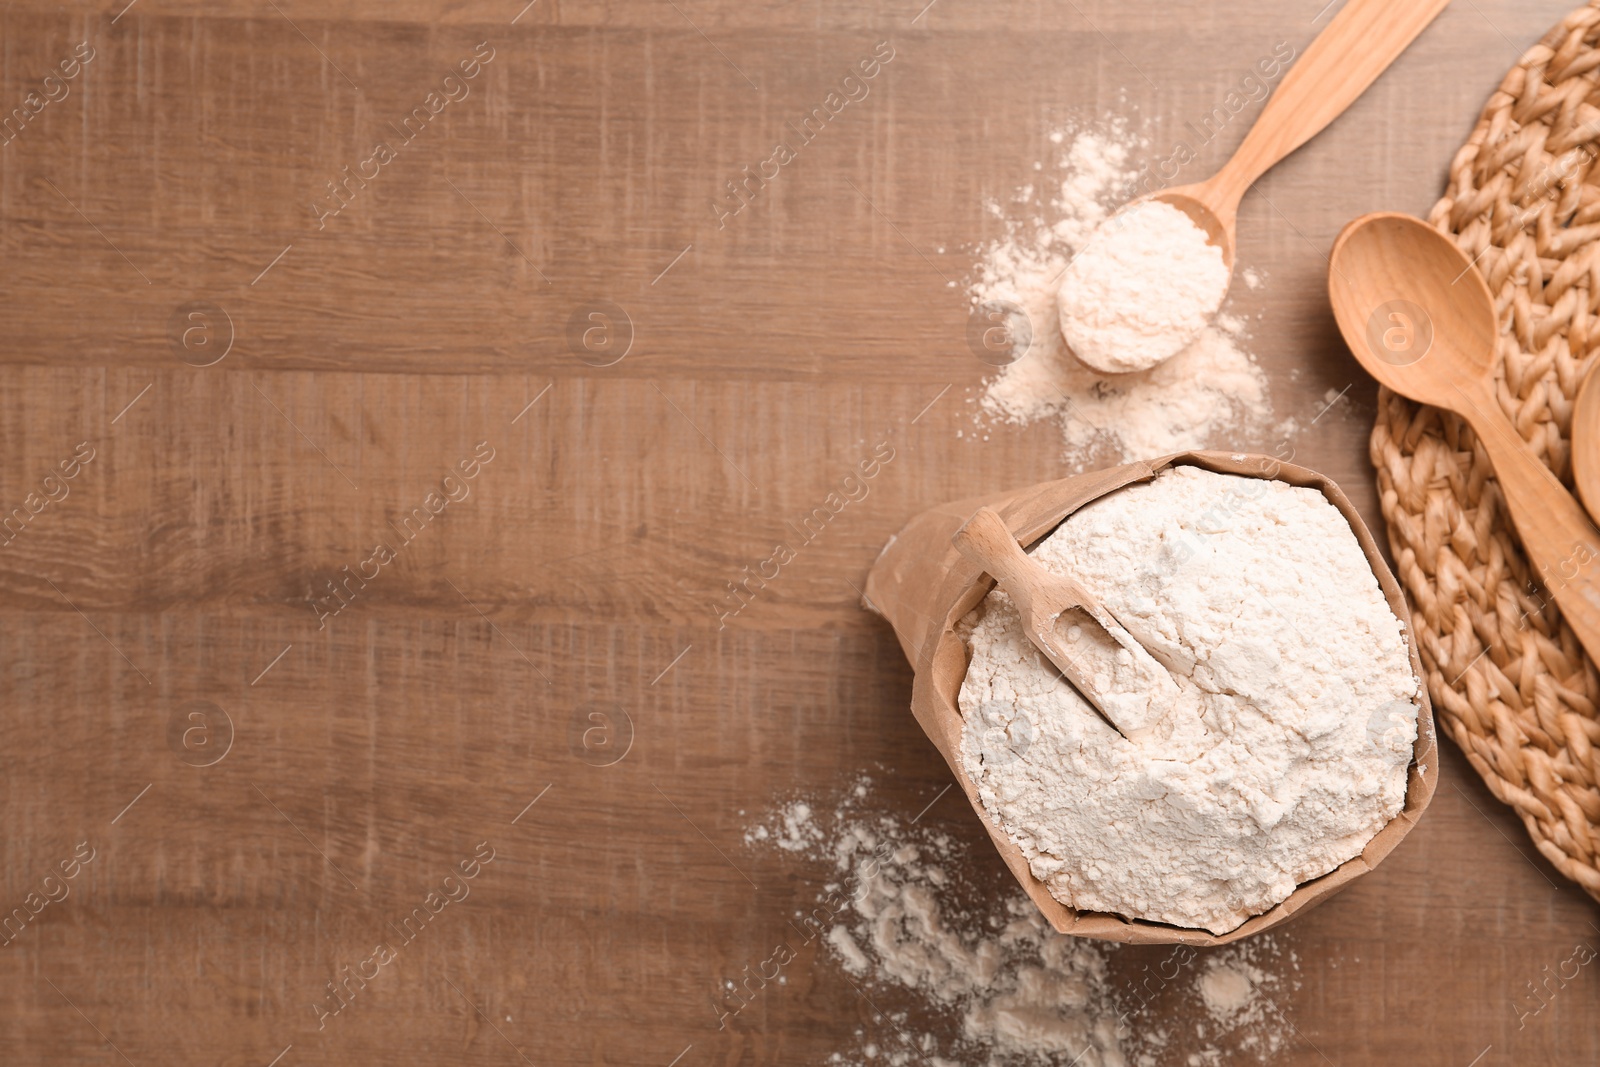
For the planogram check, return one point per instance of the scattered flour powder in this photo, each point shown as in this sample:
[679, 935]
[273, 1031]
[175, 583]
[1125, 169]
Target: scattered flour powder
[1239, 987]
[1228, 990]
[1287, 749]
[967, 973]
[1006, 986]
[794, 832]
[1210, 389]
[1141, 289]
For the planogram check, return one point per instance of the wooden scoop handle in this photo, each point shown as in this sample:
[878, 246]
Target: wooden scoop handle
[1041, 594]
[985, 540]
[1358, 45]
[1111, 670]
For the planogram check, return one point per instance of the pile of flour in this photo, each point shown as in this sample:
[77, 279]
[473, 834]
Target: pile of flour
[963, 975]
[1141, 289]
[1210, 389]
[1288, 748]
[960, 970]
[1239, 988]
[1019, 987]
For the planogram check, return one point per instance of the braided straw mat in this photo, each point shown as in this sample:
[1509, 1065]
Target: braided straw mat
[1511, 684]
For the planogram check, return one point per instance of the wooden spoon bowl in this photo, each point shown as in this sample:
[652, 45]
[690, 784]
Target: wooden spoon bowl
[1414, 310]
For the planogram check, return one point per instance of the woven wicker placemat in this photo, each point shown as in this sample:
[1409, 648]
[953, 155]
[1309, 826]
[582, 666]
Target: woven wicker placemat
[1510, 683]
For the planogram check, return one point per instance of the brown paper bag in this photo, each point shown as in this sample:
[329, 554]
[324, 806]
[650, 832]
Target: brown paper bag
[923, 586]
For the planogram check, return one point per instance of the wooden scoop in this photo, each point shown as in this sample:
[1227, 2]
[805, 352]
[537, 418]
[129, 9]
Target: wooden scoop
[1104, 662]
[1417, 315]
[1358, 45]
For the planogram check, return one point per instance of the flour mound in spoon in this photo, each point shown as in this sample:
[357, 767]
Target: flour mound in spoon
[1211, 394]
[1288, 748]
[1141, 290]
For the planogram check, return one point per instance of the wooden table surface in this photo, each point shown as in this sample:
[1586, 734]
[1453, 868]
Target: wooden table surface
[266, 386]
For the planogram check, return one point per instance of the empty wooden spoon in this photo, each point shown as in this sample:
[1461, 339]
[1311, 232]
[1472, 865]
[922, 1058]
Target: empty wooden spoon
[1099, 657]
[1586, 442]
[1417, 314]
[1359, 44]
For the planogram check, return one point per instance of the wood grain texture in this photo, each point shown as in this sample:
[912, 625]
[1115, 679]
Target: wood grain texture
[371, 356]
[1356, 46]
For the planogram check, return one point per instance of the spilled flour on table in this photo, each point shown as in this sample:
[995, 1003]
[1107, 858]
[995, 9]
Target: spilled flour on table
[958, 974]
[1228, 990]
[1004, 983]
[792, 831]
[1239, 987]
[1210, 390]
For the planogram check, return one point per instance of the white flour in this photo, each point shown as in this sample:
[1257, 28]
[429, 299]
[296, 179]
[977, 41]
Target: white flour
[1228, 990]
[1141, 289]
[795, 833]
[1289, 746]
[968, 974]
[1017, 984]
[1209, 389]
[1239, 989]
[1003, 986]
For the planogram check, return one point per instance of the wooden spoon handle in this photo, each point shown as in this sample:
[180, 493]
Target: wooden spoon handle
[1357, 46]
[1586, 444]
[1556, 533]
